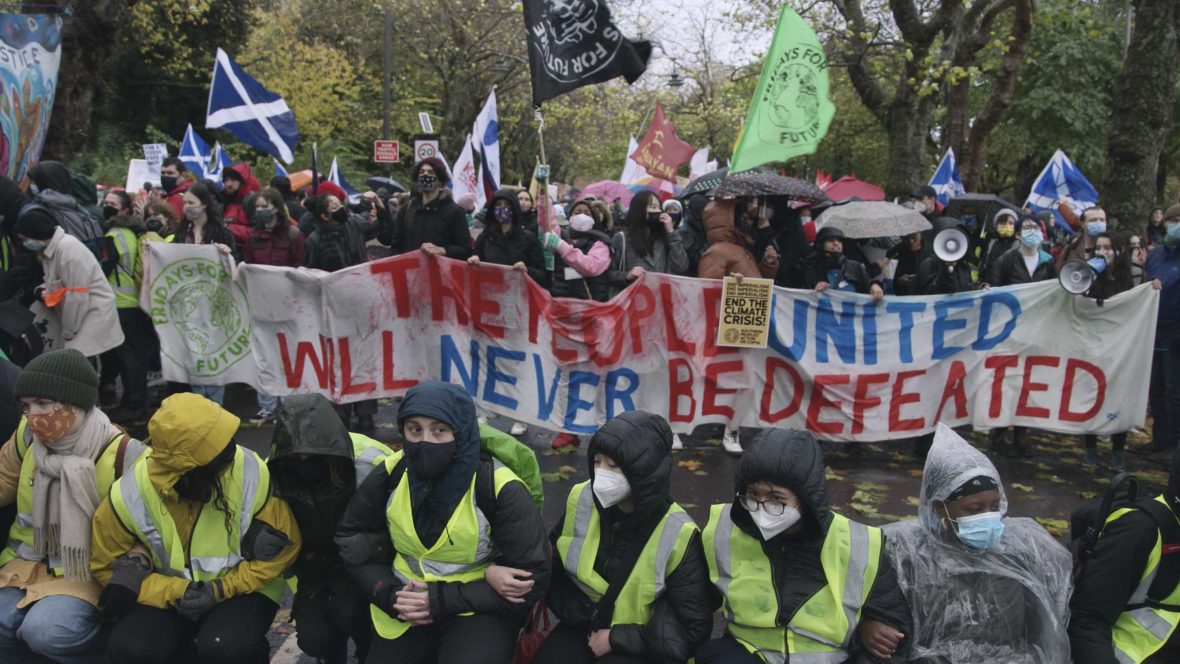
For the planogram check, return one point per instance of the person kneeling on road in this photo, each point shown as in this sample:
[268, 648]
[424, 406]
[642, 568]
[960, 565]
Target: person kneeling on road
[217, 544]
[797, 582]
[422, 529]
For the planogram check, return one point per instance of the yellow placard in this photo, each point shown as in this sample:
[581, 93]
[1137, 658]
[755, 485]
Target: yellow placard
[745, 312]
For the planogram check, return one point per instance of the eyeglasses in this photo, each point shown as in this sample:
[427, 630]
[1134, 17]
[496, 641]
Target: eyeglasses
[771, 507]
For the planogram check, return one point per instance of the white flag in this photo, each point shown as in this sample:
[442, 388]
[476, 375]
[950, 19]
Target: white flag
[486, 137]
[463, 176]
[699, 165]
[632, 172]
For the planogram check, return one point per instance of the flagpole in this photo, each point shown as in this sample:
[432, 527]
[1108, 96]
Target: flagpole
[540, 132]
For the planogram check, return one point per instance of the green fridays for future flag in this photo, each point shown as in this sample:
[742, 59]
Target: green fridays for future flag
[790, 112]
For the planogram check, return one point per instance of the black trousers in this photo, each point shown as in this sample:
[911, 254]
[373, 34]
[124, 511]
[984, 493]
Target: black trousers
[477, 639]
[232, 633]
[327, 615]
[1117, 440]
[138, 336]
[1164, 397]
[725, 651]
[568, 644]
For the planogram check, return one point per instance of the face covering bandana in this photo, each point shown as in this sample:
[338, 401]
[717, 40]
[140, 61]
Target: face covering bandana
[265, 218]
[168, 182]
[1031, 237]
[981, 531]
[1173, 232]
[34, 245]
[503, 214]
[109, 211]
[772, 526]
[155, 224]
[1095, 227]
[581, 222]
[430, 460]
[340, 216]
[193, 212]
[610, 487]
[427, 182]
[52, 426]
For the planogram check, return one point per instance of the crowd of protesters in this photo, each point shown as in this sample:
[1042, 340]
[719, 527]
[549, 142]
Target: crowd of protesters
[181, 546]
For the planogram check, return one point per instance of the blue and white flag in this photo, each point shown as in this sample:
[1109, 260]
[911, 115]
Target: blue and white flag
[1061, 181]
[279, 170]
[194, 152]
[336, 178]
[254, 114]
[485, 138]
[946, 181]
[218, 161]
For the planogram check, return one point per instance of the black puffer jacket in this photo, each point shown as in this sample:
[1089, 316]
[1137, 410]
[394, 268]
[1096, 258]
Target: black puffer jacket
[641, 444]
[793, 459]
[494, 246]
[1010, 269]
[517, 530]
[936, 276]
[692, 229]
[440, 222]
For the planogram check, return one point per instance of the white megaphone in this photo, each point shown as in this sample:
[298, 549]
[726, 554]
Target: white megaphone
[951, 244]
[1077, 275]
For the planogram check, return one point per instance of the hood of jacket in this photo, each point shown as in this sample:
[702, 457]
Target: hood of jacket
[435, 499]
[950, 463]
[249, 186]
[52, 175]
[9, 406]
[188, 431]
[641, 444]
[509, 196]
[308, 424]
[12, 199]
[789, 458]
[719, 227]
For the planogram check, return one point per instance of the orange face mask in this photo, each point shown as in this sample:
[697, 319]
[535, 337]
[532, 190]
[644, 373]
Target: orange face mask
[52, 426]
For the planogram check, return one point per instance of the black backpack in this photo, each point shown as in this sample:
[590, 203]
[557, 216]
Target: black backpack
[1087, 522]
[76, 221]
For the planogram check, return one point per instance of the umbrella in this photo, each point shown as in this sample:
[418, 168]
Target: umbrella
[705, 183]
[752, 183]
[609, 190]
[378, 181]
[850, 187]
[299, 179]
[985, 205]
[872, 219]
[658, 185]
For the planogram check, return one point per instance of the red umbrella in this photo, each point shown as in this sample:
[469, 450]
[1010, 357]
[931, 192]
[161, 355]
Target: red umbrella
[849, 187]
[609, 190]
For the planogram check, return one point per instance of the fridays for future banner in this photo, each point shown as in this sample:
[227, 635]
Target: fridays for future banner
[837, 364]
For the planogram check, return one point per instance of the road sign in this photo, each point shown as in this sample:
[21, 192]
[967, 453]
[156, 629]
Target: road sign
[386, 152]
[425, 147]
[424, 121]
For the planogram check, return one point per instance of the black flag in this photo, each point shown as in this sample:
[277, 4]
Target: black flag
[574, 43]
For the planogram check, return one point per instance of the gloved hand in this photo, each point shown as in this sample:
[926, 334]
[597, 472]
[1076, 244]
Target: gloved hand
[361, 548]
[198, 600]
[263, 542]
[121, 593]
[552, 241]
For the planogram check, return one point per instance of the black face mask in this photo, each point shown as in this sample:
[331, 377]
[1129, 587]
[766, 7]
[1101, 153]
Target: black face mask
[427, 182]
[264, 217]
[340, 216]
[311, 472]
[653, 218]
[168, 182]
[109, 211]
[430, 460]
[675, 217]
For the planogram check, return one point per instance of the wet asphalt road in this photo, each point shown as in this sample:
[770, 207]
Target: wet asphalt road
[872, 483]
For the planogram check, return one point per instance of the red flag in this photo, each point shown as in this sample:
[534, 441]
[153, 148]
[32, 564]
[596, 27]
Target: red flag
[661, 152]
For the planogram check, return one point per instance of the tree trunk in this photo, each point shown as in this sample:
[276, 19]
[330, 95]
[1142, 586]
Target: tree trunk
[88, 38]
[1142, 114]
[909, 133]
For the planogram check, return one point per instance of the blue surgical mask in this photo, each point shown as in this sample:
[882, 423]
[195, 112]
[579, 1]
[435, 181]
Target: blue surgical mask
[981, 531]
[1095, 228]
[35, 245]
[969, 221]
[1173, 232]
[1031, 237]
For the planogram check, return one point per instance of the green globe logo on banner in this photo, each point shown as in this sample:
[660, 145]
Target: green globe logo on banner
[790, 112]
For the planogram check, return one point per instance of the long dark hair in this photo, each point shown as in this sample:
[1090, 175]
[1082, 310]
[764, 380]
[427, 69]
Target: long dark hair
[1117, 275]
[203, 483]
[212, 211]
[641, 235]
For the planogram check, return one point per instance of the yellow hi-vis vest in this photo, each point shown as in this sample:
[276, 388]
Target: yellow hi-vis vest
[212, 551]
[821, 630]
[122, 278]
[461, 554]
[367, 454]
[20, 535]
[1140, 632]
[578, 547]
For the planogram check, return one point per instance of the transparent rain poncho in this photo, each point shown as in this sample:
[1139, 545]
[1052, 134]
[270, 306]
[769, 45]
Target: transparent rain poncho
[1007, 604]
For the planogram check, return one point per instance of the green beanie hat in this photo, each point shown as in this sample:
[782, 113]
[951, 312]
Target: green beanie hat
[60, 375]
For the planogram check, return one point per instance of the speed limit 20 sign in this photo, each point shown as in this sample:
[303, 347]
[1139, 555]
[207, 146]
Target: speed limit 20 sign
[425, 147]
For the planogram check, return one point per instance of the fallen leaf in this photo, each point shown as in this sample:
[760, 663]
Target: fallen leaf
[568, 470]
[1056, 527]
[1088, 495]
[700, 473]
[832, 475]
[554, 477]
[871, 486]
[1021, 487]
[561, 451]
[912, 500]
[914, 472]
[691, 464]
[865, 509]
[863, 497]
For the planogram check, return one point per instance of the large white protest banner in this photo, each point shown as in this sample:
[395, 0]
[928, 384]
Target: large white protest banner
[837, 364]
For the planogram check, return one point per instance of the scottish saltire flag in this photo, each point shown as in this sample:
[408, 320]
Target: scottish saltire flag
[254, 114]
[1061, 181]
[279, 170]
[336, 178]
[218, 161]
[946, 181]
[485, 137]
[194, 152]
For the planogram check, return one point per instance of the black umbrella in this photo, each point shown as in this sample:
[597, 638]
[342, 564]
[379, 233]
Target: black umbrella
[378, 181]
[705, 183]
[985, 205]
[752, 183]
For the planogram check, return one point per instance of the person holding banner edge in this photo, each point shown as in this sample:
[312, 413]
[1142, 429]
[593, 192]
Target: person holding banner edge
[1163, 265]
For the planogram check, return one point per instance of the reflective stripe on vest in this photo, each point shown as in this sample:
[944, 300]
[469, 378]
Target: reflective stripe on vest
[20, 534]
[367, 454]
[461, 554]
[850, 557]
[122, 278]
[1138, 633]
[578, 548]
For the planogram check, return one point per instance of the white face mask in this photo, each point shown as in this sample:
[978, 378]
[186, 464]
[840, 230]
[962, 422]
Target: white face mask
[770, 526]
[610, 487]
